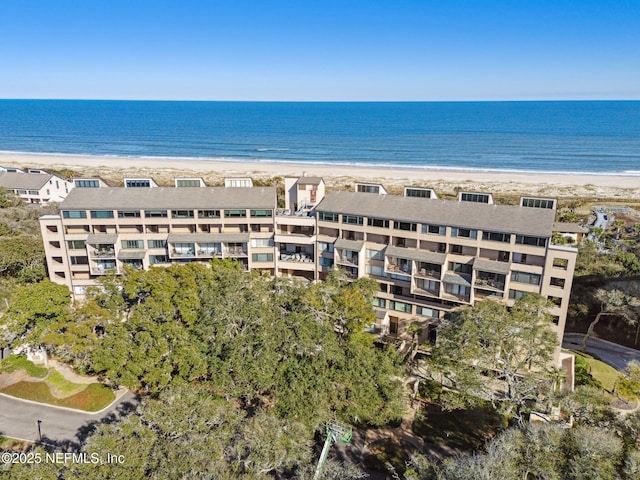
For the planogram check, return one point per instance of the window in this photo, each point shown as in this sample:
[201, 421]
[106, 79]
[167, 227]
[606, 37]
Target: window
[496, 237]
[155, 213]
[138, 244]
[328, 217]
[87, 183]
[537, 203]
[560, 263]
[375, 270]
[208, 213]
[82, 260]
[128, 213]
[261, 242]
[378, 222]
[352, 219]
[525, 277]
[326, 262]
[181, 213]
[557, 282]
[261, 213]
[101, 213]
[156, 243]
[516, 294]
[400, 306]
[434, 229]
[460, 267]
[456, 249]
[375, 254]
[74, 214]
[475, 197]
[155, 259]
[520, 258]
[235, 213]
[430, 285]
[557, 301]
[442, 248]
[368, 188]
[33, 192]
[455, 289]
[412, 227]
[262, 257]
[427, 312]
[396, 276]
[534, 241]
[379, 302]
[325, 247]
[463, 232]
[76, 244]
[137, 183]
[416, 192]
[187, 183]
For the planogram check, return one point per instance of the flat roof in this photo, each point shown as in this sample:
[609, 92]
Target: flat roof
[500, 218]
[169, 198]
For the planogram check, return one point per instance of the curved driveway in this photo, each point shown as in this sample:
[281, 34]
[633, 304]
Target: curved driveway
[617, 356]
[59, 427]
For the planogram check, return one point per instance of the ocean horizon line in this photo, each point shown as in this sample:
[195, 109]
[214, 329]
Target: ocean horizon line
[311, 163]
[177, 100]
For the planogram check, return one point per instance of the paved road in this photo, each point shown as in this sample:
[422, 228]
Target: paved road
[63, 428]
[615, 355]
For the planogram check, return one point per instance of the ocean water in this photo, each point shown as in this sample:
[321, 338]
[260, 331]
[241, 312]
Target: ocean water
[599, 137]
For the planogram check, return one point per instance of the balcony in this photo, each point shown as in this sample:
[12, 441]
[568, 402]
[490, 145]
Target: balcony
[236, 251]
[398, 265]
[102, 252]
[209, 252]
[490, 284]
[428, 270]
[297, 257]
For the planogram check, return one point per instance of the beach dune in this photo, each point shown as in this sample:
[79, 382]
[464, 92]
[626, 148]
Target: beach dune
[164, 170]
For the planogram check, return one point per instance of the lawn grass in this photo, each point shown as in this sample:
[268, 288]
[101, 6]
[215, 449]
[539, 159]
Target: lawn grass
[7, 443]
[605, 374]
[93, 398]
[61, 385]
[20, 362]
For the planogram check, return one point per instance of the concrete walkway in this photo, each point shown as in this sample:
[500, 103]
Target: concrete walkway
[618, 356]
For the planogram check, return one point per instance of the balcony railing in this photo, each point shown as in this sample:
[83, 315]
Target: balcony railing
[490, 283]
[103, 253]
[208, 253]
[236, 252]
[347, 260]
[424, 273]
[296, 257]
[400, 268]
[183, 253]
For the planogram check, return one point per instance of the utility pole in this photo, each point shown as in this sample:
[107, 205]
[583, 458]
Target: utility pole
[335, 431]
[39, 432]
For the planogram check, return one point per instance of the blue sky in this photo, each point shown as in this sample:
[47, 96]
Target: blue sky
[320, 50]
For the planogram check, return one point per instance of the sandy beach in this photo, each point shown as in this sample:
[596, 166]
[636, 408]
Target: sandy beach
[164, 170]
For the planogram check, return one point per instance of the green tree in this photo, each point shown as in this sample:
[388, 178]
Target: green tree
[34, 307]
[512, 346]
[22, 257]
[616, 303]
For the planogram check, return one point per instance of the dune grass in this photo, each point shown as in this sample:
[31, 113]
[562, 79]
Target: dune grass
[91, 399]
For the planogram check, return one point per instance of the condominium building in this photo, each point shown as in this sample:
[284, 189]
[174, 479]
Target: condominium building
[429, 256]
[102, 230]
